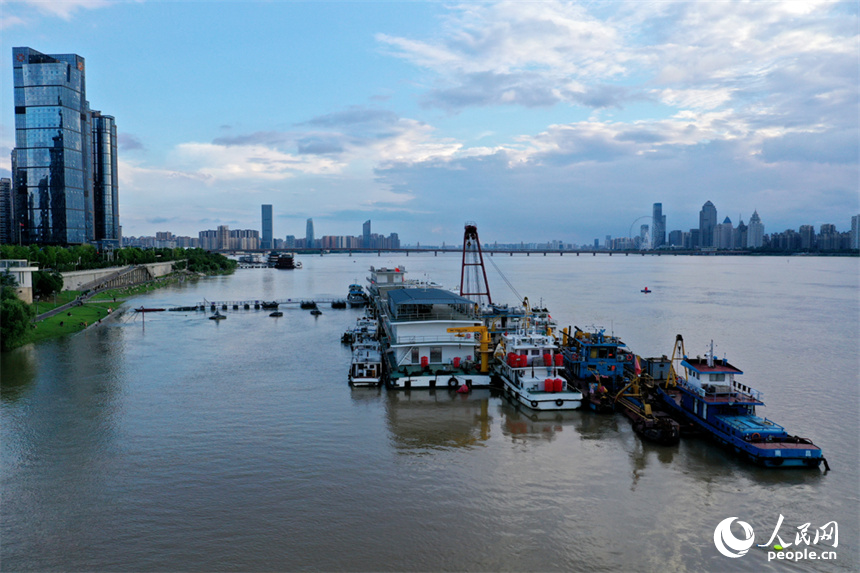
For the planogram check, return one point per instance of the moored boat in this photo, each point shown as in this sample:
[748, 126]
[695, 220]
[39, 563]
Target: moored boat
[356, 296]
[594, 362]
[217, 316]
[725, 409]
[530, 369]
[366, 366]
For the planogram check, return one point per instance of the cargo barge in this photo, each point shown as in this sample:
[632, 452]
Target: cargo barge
[710, 397]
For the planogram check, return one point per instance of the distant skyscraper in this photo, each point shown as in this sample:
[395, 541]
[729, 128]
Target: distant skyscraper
[707, 223]
[723, 234]
[309, 234]
[64, 165]
[644, 237]
[7, 213]
[266, 241]
[807, 237]
[755, 232]
[658, 229]
[855, 232]
[365, 234]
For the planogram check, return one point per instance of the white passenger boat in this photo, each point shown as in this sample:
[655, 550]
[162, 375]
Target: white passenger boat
[530, 366]
[366, 367]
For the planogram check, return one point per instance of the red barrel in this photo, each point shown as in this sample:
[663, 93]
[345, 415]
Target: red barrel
[425, 361]
[549, 385]
[559, 385]
[547, 359]
[456, 362]
[512, 359]
[559, 360]
[524, 361]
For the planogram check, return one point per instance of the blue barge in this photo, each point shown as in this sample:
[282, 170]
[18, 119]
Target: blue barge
[711, 398]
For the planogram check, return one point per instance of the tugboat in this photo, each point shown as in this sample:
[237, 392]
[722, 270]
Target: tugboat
[366, 367]
[724, 409]
[528, 365]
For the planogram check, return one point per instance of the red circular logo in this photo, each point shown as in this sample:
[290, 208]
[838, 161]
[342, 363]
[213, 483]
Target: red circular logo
[19, 57]
[81, 66]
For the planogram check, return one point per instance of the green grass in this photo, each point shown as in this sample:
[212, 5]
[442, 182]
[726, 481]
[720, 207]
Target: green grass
[59, 299]
[127, 292]
[73, 320]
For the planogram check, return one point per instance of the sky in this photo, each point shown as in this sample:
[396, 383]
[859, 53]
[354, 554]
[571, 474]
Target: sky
[538, 121]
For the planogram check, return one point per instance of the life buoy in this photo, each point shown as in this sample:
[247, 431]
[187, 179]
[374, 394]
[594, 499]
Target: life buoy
[755, 436]
[452, 382]
[559, 403]
[629, 358]
[534, 404]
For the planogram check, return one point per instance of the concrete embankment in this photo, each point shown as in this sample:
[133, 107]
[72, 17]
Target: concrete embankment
[83, 280]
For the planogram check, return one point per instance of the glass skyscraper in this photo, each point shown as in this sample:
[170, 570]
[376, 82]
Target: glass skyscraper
[105, 180]
[707, 223]
[309, 234]
[266, 242]
[64, 161]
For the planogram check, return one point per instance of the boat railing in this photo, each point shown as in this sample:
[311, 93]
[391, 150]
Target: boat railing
[747, 391]
[431, 339]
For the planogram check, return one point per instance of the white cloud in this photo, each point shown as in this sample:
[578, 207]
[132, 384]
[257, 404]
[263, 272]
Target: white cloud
[65, 9]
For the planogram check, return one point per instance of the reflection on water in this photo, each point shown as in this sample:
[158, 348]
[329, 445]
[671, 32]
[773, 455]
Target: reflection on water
[519, 423]
[422, 420]
[17, 371]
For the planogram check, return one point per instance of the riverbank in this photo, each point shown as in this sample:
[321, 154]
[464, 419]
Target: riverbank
[83, 310]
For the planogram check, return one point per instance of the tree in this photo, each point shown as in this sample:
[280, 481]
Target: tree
[47, 283]
[15, 316]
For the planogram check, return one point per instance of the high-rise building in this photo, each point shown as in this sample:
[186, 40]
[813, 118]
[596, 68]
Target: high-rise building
[855, 232]
[807, 237]
[723, 234]
[266, 241]
[105, 181]
[7, 212]
[309, 234]
[658, 228]
[64, 165]
[739, 240]
[365, 234]
[707, 223]
[644, 237]
[755, 232]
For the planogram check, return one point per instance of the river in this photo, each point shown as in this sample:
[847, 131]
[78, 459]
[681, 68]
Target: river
[184, 444]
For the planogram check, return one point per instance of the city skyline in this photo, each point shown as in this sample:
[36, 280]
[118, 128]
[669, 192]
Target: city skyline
[437, 114]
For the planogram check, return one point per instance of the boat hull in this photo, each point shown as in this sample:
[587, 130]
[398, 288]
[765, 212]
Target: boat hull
[450, 380]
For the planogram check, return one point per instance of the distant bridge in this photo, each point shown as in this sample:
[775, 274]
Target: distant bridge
[488, 251]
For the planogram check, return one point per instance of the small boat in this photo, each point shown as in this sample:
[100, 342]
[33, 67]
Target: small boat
[356, 297]
[276, 314]
[530, 369]
[646, 290]
[724, 409]
[366, 367]
[316, 312]
[217, 316]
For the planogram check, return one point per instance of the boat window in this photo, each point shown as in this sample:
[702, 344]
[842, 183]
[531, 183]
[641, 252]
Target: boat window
[435, 354]
[718, 377]
[415, 358]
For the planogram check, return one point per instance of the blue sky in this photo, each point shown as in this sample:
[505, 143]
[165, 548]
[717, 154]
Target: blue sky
[537, 120]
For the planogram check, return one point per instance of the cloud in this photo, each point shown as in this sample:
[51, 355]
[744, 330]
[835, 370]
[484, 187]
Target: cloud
[64, 9]
[128, 142]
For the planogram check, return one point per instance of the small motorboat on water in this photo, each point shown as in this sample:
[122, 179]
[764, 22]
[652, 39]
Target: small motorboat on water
[217, 316]
[316, 312]
[646, 290]
[276, 314]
